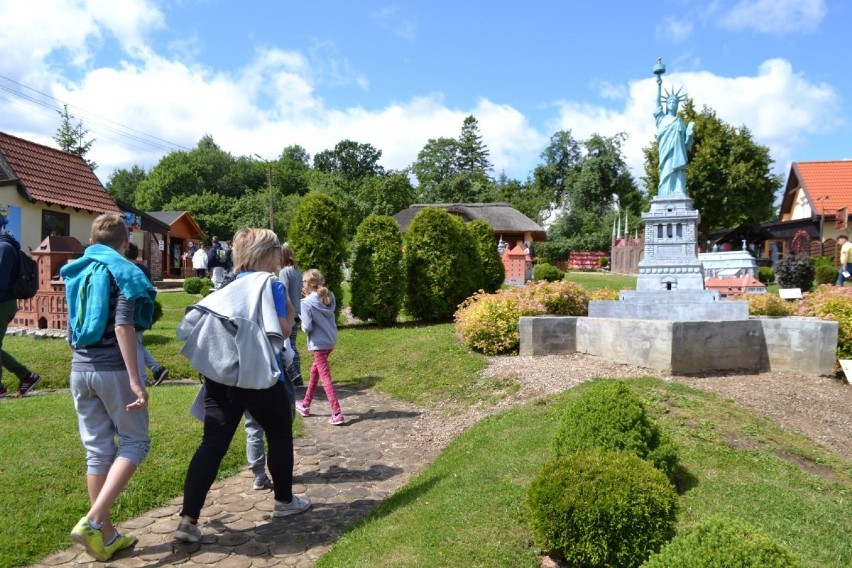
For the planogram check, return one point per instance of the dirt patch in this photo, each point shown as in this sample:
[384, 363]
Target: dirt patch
[818, 407]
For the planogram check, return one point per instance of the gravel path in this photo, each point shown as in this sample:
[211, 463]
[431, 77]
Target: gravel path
[818, 407]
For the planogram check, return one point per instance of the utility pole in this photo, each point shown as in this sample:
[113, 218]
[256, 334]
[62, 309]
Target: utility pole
[269, 182]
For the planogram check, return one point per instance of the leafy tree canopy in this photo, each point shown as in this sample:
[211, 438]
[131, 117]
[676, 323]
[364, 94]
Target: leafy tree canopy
[122, 183]
[350, 160]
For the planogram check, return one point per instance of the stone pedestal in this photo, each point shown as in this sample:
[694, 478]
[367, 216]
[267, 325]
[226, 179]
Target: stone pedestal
[670, 261]
[670, 285]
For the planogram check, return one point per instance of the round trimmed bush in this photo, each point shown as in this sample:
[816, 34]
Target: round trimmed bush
[317, 238]
[723, 541]
[826, 274]
[493, 271]
[766, 275]
[194, 284]
[601, 508]
[795, 271]
[377, 276]
[611, 416]
[442, 265]
[547, 272]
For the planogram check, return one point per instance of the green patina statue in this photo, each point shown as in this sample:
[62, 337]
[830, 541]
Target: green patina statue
[674, 139]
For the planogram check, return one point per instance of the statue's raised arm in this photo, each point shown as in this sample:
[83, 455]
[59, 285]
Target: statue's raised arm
[674, 139]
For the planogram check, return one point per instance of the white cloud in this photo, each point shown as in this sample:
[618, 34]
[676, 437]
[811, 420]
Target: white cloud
[779, 106]
[776, 16]
[674, 29]
[390, 18]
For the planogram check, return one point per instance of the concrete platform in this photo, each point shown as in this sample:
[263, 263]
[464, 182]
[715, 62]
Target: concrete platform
[801, 345]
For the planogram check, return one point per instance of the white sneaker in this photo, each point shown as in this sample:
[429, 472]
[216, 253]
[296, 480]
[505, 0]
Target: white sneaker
[294, 507]
[187, 532]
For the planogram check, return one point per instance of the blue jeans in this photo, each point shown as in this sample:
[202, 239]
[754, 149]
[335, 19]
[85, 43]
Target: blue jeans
[840, 278]
[144, 359]
[255, 454]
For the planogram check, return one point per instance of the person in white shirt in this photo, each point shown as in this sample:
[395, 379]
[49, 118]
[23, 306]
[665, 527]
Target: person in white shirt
[199, 261]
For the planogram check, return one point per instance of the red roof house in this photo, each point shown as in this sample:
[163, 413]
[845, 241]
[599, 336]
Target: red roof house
[47, 192]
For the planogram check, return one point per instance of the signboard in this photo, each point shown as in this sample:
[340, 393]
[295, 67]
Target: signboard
[841, 220]
[10, 221]
[790, 293]
[846, 365]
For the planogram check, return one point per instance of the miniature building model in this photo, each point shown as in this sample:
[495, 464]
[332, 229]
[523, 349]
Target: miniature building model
[47, 309]
[518, 266]
[735, 286]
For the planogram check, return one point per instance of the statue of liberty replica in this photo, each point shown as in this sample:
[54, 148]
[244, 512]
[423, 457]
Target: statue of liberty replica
[674, 139]
[670, 285]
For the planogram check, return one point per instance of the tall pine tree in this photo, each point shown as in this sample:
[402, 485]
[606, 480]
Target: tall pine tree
[72, 137]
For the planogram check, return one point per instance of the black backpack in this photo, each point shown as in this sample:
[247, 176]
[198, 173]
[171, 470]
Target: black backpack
[25, 285]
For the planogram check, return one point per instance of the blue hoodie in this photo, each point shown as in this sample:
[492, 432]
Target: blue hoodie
[319, 322]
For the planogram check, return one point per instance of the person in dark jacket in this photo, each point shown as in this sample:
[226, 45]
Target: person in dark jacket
[218, 261]
[9, 248]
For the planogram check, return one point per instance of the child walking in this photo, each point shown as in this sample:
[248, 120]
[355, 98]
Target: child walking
[108, 297]
[318, 322]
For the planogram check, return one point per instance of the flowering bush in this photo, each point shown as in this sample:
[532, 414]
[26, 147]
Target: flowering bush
[488, 323]
[767, 305]
[604, 294]
[832, 303]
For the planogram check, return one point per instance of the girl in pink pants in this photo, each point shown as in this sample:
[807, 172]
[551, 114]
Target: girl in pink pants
[320, 325]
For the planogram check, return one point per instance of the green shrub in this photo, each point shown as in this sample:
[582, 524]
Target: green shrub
[832, 303]
[609, 415]
[493, 271]
[767, 305]
[723, 541]
[766, 275]
[826, 274]
[442, 265]
[547, 272]
[158, 312]
[560, 298]
[377, 272]
[488, 323]
[795, 271]
[601, 508]
[823, 261]
[603, 262]
[317, 238]
[194, 284]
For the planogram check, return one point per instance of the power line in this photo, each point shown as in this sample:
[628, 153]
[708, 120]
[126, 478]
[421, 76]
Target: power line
[99, 121]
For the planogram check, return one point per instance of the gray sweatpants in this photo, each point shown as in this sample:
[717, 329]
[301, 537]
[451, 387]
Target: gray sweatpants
[100, 398]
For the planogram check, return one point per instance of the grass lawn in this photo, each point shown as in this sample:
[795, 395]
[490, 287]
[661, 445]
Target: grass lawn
[594, 280]
[43, 468]
[467, 508]
[42, 462]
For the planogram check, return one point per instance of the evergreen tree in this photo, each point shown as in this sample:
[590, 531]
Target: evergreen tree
[473, 153]
[72, 137]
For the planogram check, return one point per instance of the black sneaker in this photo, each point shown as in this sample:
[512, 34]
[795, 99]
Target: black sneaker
[3, 391]
[29, 383]
[298, 382]
[160, 376]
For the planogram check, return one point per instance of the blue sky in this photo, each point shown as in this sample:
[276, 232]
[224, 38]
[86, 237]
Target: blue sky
[150, 76]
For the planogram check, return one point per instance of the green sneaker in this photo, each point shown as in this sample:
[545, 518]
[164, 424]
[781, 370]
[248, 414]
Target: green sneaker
[91, 539]
[121, 542]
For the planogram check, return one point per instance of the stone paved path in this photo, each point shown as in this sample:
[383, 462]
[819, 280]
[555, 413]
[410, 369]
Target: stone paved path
[346, 471]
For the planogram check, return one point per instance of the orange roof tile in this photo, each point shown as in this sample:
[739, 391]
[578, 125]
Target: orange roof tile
[828, 185]
[53, 176]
